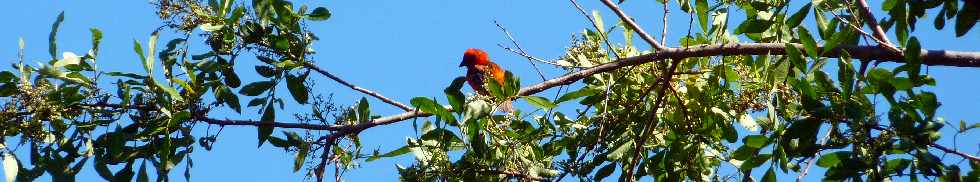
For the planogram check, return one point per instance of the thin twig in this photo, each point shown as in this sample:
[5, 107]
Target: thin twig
[522, 51]
[664, 82]
[961, 154]
[636, 28]
[359, 89]
[663, 33]
[873, 37]
[525, 55]
[601, 30]
[516, 175]
[873, 23]
[809, 162]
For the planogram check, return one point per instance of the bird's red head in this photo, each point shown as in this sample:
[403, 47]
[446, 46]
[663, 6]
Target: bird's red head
[474, 56]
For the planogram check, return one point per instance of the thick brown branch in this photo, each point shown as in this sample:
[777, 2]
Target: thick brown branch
[643, 34]
[359, 89]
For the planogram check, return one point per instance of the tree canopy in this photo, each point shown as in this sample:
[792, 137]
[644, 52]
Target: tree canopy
[793, 86]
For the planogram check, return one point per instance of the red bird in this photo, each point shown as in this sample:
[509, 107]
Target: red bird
[480, 68]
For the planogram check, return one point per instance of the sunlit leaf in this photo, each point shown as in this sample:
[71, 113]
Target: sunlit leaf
[52, 38]
[539, 102]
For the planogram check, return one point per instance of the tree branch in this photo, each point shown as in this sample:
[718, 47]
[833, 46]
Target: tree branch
[601, 30]
[359, 89]
[231, 122]
[930, 57]
[643, 34]
[523, 52]
[873, 23]
[525, 55]
[516, 175]
[875, 37]
[961, 154]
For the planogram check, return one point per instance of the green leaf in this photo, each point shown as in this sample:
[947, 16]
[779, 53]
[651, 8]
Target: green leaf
[211, 27]
[52, 41]
[962, 126]
[889, 4]
[319, 14]
[264, 10]
[454, 95]
[68, 58]
[268, 118]
[297, 87]
[940, 22]
[756, 141]
[539, 102]
[235, 15]
[835, 39]
[913, 62]
[230, 98]
[96, 39]
[444, 137]
[142, 176]
[475, 110]
[832, 159]
[598, 22]
[255, 88]
[300, 157]
[701, 7]
[281, 44]
[169, 90]
[363, 110]
[974, 125]
[584, 92]
[605, 171]
[151, 48]
[901, 83]
[265, 71]
[752, 26]
[896, 165]
[809, 45]
[429, 106]
[231, 78]
[795, 57]
[620, 150]
[845, 74]
[966, 19]
[7, 76]
[798, 17]
[770, 176]
[394, 153]
[511, 84]
[139, 51]
[256, 102]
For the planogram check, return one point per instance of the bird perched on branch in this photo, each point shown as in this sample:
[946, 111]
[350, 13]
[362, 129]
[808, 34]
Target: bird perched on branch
[479, 69]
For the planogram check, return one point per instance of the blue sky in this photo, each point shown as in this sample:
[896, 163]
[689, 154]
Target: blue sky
[402, 49]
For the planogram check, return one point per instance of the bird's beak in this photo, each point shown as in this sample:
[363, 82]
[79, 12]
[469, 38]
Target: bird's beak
[462, 63]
